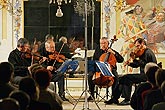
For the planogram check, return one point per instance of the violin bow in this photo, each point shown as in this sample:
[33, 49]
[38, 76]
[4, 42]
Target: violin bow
[71, 42]
[58, 53]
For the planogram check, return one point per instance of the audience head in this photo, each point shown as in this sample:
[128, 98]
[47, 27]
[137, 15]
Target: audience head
[28, 85]
[43, 78]
[6, 72]
[49, 37]
[151, 75]
[160, 77]
[9, 104]
[22, 97]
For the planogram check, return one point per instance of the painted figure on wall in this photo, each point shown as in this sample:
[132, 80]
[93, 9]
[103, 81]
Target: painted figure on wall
[156, 34]
[132, 27]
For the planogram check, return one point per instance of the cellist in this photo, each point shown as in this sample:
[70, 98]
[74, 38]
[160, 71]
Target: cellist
[101, 49]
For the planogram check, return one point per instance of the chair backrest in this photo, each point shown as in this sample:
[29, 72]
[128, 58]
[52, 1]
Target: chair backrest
[9, 104]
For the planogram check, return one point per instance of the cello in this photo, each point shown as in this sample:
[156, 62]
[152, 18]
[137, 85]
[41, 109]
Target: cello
[100, 79]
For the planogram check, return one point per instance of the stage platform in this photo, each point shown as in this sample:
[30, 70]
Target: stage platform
[75, 88]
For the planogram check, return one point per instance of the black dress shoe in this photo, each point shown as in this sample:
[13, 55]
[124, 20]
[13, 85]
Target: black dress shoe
[124, 102]
[112, 101]
[90, 98]
[64, 99]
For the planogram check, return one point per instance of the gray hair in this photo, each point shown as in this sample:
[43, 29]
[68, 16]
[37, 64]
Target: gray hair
[63, 39]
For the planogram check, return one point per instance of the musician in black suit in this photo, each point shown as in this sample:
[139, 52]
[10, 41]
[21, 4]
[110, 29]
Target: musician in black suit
[101, 49]
[20, 60]
[52, 64]
[145, 56]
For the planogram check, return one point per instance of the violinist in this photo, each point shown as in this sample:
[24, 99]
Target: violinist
[141, 56]
[42, 49]
[20, 61]
[101, 49]
[52, 64]
[36, 57]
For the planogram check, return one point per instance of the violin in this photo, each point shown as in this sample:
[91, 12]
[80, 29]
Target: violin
[135, 54]
[57, 57]
[28, 54]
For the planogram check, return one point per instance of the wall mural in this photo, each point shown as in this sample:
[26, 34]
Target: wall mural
[137, 22]
[107, 15]
[17, 12]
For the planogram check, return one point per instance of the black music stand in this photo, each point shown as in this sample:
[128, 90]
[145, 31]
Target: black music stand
[86, 59]
[104, 68]
[68, 66]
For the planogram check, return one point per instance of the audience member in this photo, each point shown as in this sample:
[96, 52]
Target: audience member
[28, 85]
[161, 105]
[6, 73]
[155, 96]
[43, 78]
[22, 97]
[33, 68]
[136, 99]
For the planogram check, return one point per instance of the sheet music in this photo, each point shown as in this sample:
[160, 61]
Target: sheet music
[104, 68]
[81, 54]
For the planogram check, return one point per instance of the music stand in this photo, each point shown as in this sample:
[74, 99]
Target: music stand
[104, 68]
[68, 66]
[81, 54]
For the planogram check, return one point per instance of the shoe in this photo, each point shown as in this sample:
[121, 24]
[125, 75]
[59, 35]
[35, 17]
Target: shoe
[112, 101]
[124, 102]
[64, 99]
[90, 98]
[71, 76]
